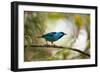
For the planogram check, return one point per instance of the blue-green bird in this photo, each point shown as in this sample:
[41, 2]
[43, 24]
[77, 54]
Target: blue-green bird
[53, 36]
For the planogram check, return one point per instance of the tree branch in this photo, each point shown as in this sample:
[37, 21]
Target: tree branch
[56, 46]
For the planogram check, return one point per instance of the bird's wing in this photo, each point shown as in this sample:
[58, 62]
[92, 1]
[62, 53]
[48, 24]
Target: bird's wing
[50, 34]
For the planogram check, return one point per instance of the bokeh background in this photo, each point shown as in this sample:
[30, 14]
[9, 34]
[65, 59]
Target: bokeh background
[76, 25]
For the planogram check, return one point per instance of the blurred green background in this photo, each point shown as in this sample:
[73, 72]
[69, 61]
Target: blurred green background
[76, 25]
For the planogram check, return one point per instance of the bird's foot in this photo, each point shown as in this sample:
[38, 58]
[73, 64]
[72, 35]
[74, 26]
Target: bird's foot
[53, 45]
[46, 45]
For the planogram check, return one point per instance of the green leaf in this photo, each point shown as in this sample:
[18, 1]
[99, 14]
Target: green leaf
[78, 21]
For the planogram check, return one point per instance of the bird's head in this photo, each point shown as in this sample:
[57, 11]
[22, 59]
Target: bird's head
[63, 33]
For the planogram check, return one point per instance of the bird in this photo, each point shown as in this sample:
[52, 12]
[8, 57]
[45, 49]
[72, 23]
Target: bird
[52, 36]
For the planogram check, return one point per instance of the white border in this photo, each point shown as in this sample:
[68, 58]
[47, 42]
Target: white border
[22, 64]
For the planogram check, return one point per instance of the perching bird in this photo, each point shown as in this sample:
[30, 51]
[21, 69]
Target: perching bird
[52, 36]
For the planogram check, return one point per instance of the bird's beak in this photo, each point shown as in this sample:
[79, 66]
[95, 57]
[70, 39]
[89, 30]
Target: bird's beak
[65, 34]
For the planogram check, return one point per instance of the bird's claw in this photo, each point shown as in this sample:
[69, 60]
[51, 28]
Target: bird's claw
[50, 45]
[54, 45]
[46, 45]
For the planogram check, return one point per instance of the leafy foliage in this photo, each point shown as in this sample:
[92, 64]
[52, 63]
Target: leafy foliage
[34, 24]
[78, 21]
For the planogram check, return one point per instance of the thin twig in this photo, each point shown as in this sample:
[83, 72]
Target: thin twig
[56, 46]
